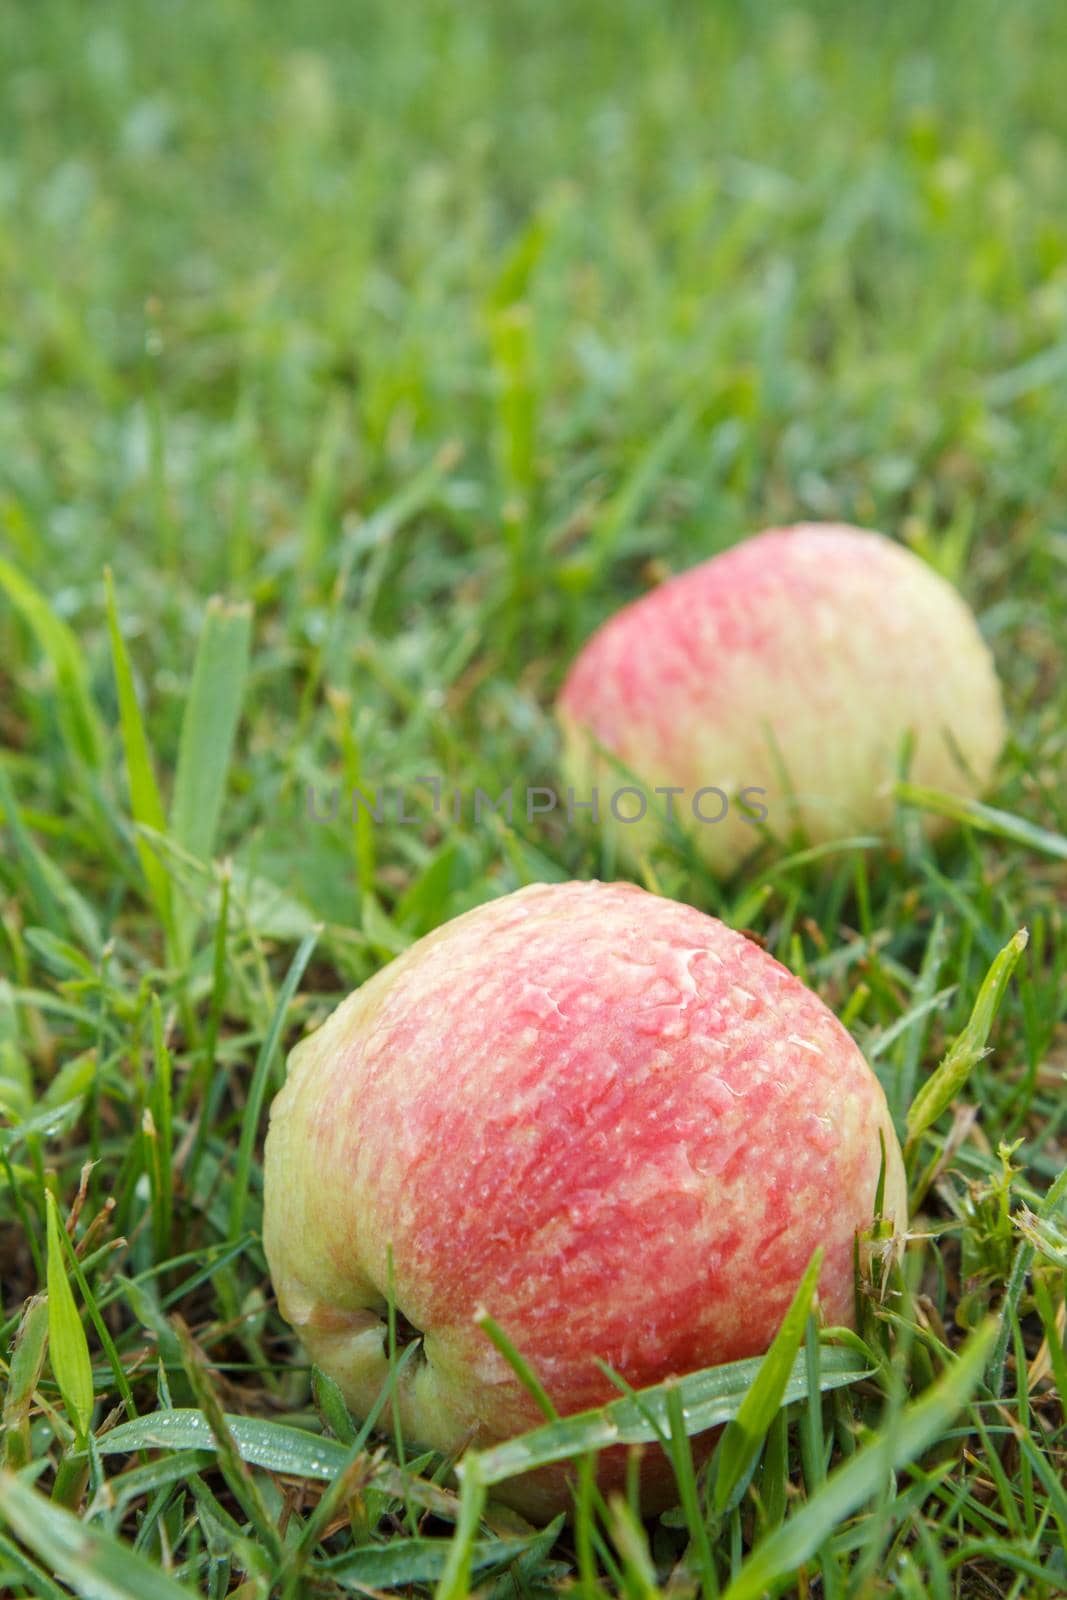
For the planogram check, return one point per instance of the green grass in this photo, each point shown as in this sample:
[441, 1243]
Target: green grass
[423, 336]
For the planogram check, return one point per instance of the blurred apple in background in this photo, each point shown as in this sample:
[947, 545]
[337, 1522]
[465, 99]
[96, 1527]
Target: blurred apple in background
[794, 667]
[612, 1122]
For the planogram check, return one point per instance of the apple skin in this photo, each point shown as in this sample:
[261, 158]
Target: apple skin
[614, 1123]
[795, 663]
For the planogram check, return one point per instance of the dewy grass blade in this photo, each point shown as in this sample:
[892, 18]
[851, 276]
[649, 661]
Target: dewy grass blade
[274, 1445]
[709, 1397]
[746, 1432]
[919, 1426]
[68, 1345]
[402, 1561]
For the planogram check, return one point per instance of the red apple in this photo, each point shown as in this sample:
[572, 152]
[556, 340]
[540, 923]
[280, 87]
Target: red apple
[606, 1118]
[793, 666]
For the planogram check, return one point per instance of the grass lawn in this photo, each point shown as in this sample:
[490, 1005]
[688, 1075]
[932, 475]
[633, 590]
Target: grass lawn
[380, 352]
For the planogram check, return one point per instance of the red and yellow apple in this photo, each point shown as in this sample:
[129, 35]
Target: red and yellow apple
[782, 678]
[615, 1124]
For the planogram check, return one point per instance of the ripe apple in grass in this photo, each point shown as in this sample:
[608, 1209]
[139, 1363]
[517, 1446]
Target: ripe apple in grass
[796, 665]
[612, 1122]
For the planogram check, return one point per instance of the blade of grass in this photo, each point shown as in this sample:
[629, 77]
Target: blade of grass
[986, 819]
[145, 803]
[391, 1354]
[23, 1376]
[746, 1433]
[409, 1561]
[36, 1581]
[924, 1000]
[100, 1327]
[68, 1346]
[331, 1405]
[274, 1445]
[356, 1473]
[320, 507]
[638, 1568]
[455, 1580]
[685, 1477]
[969, 1047]
[708, 1397]
[36, 877]
[232, 1465]
[585, 1530]
[258, 1086]
[209, 727]
[637, 488]
[200, 1080]
[1054, 1340]
[1020, 1270]
[161, 1105]
[522, 1369]
[94, 1563]
[77, 713]
[919, 1426]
